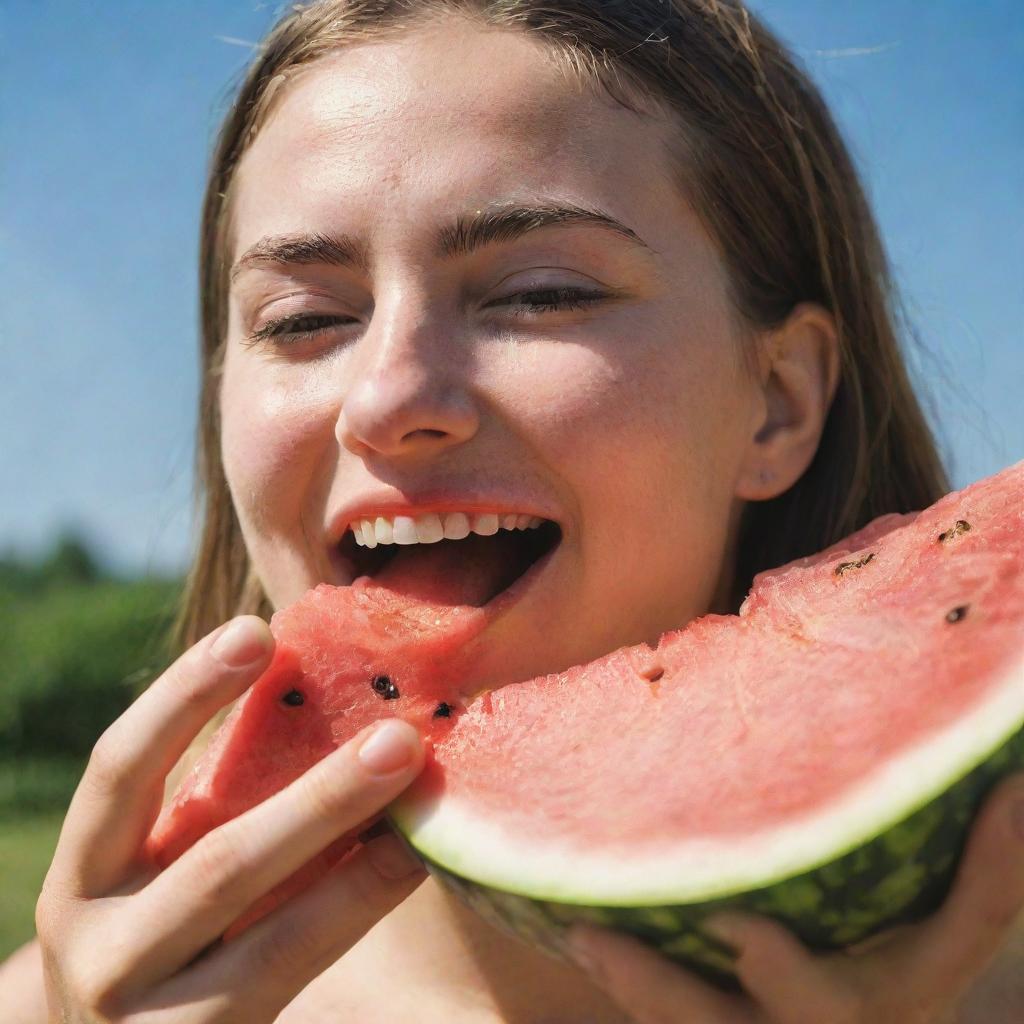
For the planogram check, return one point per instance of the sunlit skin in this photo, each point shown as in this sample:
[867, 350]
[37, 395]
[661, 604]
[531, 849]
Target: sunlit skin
[629, 422]
[634, 422]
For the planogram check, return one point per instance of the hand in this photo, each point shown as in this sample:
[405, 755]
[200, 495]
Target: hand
[916, 974]
[122, 940]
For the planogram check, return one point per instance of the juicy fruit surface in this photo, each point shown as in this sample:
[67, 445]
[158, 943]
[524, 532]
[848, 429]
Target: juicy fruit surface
[836, 664]
[882, 648]
[345, 658]
[737, 763]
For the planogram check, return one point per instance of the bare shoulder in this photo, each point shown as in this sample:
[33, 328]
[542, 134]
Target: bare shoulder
[329, 1000]
[380, 983]
[434, 961]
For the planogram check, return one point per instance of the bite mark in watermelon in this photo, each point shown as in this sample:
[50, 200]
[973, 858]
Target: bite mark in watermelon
[817, 758]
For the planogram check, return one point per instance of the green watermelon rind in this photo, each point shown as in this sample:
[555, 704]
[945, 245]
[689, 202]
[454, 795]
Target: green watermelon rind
[896, 877]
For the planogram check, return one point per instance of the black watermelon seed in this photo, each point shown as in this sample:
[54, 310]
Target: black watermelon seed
[844, 567]
[957, 613]
[293, 699]
[382, 685]
[961, 526]
[443, 711]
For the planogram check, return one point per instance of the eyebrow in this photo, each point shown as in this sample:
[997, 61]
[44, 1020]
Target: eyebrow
[488, 226]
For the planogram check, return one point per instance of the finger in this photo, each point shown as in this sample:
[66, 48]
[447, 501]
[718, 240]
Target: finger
[649, 987]
[205, 890]
[119, 797]
[944, 955]
[269, 964]
[787, 982]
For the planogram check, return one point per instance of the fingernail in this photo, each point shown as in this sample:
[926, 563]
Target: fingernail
[240, 644]
[390, 747]
[391, 858]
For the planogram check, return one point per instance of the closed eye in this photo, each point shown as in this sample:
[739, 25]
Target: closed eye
[297, 327]
[548, 300]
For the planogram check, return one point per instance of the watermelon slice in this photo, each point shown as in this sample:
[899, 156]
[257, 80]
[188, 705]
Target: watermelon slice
[817, 758]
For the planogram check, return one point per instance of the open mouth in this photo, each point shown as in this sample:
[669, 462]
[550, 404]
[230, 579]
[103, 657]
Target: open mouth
[472, 570]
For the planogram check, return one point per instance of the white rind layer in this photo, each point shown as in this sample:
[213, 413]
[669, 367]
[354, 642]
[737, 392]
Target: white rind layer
[652, 873]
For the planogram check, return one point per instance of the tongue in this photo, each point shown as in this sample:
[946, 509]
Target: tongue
[455, 572]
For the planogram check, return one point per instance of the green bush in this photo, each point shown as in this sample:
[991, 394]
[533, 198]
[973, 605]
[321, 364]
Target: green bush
[75, 654]
[76, 647]
[37, 785]
[26, 849]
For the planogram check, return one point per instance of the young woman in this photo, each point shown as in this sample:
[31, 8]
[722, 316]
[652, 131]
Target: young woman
[607, 264]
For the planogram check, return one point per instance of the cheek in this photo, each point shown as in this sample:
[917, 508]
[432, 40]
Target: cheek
[563, 398]
[643, 405]
[273, 436]
[646, 435]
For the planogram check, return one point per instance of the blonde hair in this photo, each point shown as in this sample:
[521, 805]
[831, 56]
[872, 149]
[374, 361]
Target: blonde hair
[765, 168]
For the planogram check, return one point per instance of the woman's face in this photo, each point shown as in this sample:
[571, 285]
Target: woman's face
[580, 369]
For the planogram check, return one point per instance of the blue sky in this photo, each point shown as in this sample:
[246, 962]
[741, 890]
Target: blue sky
[109, 109]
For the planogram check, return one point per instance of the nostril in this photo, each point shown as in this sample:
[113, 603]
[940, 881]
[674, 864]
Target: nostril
[427, 431]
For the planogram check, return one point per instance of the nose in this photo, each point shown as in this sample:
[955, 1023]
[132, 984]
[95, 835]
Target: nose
[409, 394]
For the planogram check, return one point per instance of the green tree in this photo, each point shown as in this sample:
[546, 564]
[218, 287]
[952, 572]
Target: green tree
[77, 646]
[69, 562]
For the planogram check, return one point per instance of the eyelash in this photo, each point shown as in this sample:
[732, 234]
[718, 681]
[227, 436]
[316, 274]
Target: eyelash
[291, 330]
[276, 329]
[557, 299]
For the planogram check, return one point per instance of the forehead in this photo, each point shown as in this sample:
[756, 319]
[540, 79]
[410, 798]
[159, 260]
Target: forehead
[440, 119]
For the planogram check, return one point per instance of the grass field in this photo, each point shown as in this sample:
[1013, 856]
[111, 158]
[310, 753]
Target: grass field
[26, 849]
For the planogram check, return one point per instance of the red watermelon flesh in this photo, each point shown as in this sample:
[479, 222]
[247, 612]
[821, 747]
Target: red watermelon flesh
[855, 687]
[792, 706]
[345, 657]
[332, 647]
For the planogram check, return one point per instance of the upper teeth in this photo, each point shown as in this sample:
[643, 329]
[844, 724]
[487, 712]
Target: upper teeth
[432, 527]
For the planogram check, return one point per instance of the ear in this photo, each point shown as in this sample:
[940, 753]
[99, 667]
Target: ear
[798, 374]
